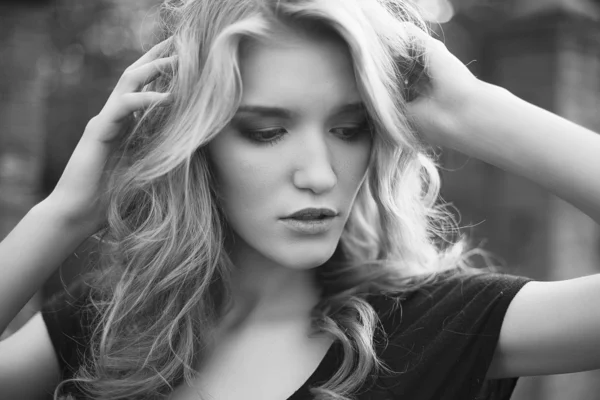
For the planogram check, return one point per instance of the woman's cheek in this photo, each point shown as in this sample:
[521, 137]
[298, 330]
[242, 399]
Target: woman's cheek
[253, 181]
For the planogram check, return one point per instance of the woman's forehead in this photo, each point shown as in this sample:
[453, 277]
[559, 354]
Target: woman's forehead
[299, 70]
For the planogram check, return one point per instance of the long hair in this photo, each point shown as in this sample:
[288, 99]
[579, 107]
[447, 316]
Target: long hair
[164, 277]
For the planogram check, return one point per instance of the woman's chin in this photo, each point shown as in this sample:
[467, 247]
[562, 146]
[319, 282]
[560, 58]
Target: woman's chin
[302, 258]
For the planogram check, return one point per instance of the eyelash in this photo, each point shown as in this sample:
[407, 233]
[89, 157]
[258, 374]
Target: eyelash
[363, 128]
[250, 134]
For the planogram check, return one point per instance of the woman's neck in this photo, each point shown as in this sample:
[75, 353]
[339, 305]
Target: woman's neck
[265, 292]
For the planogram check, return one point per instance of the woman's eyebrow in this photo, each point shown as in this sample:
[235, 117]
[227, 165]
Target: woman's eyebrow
[265, 111]
[350, 108]
[280, 112]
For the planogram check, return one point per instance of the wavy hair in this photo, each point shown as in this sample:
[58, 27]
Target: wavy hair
[163, 276]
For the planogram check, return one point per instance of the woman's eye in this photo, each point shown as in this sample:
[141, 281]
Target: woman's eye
[274, 135]
[267, 136]
[353, 132]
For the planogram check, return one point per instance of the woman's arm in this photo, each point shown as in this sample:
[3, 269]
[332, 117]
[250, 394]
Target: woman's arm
[550, 327]
[455, 109]
[76, 208]
[31, 252]
[501, 129]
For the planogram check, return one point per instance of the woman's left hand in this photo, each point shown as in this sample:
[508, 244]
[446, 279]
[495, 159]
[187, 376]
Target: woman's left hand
[443, 98]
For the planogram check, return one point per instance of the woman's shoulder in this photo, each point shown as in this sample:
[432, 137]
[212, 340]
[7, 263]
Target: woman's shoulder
[448, 295]
[445, 333]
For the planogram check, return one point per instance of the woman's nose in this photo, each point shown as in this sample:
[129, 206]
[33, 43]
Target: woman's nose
[314, 170]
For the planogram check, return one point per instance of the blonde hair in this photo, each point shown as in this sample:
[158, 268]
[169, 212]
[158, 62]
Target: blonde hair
[163, 277]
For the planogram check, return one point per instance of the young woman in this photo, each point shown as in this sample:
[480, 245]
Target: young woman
[268, 227]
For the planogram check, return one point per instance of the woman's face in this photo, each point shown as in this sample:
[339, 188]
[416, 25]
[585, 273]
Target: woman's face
[300, 139]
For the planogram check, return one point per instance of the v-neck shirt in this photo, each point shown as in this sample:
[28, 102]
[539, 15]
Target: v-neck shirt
[440, 339]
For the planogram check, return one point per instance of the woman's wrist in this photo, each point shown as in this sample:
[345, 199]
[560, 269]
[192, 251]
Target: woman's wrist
[471, 121]
[74, 224]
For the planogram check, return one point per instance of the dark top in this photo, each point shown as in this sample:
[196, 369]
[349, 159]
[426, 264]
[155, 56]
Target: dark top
[440, 338]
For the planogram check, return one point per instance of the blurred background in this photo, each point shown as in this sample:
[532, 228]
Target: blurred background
[60, 59]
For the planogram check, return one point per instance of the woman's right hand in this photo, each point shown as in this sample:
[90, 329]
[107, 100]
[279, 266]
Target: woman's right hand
[79, 195]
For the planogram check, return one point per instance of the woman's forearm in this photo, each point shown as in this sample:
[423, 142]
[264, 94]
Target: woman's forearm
[501, 129]
[30, 253]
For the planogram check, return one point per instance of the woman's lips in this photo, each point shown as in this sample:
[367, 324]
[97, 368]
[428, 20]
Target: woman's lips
[309, 226]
